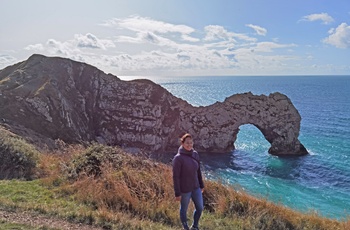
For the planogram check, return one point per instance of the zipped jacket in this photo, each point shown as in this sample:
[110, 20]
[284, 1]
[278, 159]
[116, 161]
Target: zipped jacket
[187, 175]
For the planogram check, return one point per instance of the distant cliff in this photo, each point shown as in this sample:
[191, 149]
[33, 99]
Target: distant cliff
[63, 99]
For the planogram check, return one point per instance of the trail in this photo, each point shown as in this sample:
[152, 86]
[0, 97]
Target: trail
[39, 220]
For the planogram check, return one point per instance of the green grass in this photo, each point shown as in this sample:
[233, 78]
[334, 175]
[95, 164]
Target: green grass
[18, 196]
[32, 195]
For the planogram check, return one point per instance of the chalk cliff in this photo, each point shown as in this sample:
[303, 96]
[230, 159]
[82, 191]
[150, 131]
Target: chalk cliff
[63, 99]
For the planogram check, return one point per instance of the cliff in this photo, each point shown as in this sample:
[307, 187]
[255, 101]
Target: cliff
[59, 98]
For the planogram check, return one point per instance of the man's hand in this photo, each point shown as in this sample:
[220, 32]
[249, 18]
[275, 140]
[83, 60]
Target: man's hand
[178, 198]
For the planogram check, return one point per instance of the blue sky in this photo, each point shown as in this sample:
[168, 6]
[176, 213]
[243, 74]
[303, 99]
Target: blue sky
[182, 37]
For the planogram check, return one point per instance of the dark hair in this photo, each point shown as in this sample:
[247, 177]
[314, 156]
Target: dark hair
[185, 136]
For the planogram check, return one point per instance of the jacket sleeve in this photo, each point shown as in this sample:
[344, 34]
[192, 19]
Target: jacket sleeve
[176, 176]
[199, 172]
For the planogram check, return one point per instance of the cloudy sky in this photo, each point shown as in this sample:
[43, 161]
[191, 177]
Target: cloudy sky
[182, 37]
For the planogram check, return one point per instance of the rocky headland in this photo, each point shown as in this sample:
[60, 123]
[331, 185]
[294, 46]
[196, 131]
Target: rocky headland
[49, 98]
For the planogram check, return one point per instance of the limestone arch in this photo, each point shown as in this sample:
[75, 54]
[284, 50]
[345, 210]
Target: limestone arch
[215, 127]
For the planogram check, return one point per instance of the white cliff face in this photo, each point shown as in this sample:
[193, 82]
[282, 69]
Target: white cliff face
[41, 107]
[78, 103]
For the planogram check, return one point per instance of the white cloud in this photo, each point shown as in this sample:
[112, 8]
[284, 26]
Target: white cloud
[6, 60]
[216, 32]
[36, 47]
[185, 37]
[270, 46]
[324, 17]
[150, 37]
[128, 39]
[72, 48]
[143, 24]
[183, 57]
[251, 62]
[91, 41]
[259, 30]
[149, 31]
[59, 48]
[137, 23]
[339, 37]
[143, 45]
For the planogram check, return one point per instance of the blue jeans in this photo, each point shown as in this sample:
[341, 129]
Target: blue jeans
[197, 199]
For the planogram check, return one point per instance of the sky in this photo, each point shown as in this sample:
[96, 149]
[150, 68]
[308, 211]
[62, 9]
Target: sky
[182, 37]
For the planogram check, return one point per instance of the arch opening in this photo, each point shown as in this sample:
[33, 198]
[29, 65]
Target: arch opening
[251, 140]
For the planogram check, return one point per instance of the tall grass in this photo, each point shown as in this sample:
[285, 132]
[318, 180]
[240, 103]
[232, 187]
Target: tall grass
[113, 181]
[110, 179]
[106, 186]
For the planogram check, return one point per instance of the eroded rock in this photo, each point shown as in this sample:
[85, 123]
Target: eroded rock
[76, 102]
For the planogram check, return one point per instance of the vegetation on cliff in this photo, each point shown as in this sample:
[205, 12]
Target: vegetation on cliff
[18, 159]
[107, 187]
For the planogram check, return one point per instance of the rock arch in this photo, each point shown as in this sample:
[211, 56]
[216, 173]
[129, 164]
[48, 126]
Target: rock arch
[216, 126]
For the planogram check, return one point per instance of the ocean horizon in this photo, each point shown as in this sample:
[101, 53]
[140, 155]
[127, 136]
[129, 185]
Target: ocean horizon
[318, 182]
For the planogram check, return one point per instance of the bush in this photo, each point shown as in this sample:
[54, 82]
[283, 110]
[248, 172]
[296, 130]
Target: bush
[18, 159]
[110, 179]
[91, 160]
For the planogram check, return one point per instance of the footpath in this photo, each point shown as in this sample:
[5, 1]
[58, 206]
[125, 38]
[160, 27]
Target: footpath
[41, 221]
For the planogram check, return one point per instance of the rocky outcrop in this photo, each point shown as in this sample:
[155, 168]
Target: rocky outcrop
[64, 99]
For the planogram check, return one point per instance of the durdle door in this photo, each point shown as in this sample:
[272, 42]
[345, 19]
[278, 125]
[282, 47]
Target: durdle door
[57, 98]
[217, 125]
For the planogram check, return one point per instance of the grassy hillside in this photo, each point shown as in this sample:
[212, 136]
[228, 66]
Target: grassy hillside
[107, 187]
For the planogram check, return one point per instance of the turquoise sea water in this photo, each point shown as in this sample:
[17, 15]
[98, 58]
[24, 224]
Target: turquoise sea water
[318, 182]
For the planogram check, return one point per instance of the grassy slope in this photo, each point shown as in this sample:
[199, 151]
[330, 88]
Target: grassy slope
[107, 187]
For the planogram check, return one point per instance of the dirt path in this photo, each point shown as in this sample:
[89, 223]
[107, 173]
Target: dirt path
[37, 220]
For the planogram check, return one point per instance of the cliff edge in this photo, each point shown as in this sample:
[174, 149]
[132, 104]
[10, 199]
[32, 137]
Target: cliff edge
[59, 98]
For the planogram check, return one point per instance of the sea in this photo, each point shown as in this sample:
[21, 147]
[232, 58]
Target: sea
[316, 183]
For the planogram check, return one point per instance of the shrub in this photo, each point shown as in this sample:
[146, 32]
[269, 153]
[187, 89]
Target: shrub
[90, 161]
[18, 159]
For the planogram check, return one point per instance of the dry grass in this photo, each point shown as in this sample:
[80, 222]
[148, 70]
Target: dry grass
[113, 182]
[108, 187]
[122, 183]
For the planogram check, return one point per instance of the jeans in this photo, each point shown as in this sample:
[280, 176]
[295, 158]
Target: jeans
[197, 199]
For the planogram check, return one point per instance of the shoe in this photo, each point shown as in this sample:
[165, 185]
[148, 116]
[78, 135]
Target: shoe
[194, 228]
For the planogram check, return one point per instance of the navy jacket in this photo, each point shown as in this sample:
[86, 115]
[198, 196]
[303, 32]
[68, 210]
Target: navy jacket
[187, 175]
